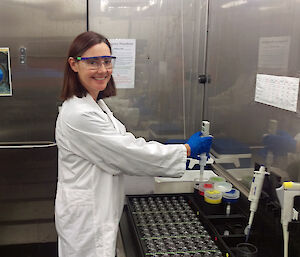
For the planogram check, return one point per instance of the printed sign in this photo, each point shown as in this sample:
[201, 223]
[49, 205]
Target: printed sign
[124, 69]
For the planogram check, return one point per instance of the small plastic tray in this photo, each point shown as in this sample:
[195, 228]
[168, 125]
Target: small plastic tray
[223, 186]
[217, 210]
[203, 186]
[185, 184]
[235, 226]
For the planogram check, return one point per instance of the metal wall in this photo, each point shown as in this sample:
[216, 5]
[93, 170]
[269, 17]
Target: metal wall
[45, 29]
[235, 30]
[28, 175]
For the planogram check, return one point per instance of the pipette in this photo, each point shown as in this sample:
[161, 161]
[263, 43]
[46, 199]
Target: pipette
[254, 195]
[203, 157]
[258, 180]
[286, 194]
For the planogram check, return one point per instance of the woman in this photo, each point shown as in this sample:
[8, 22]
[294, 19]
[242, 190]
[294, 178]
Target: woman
[94, 151]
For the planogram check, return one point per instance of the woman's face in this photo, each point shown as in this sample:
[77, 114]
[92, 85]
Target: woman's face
[94, 80]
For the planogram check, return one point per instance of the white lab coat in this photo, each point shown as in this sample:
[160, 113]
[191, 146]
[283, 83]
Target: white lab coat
[94, 151]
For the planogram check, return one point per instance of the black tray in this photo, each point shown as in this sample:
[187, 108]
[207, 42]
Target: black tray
[228, 227]
[173, 225]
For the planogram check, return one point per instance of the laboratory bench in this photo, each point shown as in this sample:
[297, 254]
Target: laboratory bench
[228, 230]
[143, 235]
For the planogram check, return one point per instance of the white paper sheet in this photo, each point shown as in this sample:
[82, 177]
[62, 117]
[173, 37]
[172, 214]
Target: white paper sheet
[278, 91]
[124, 70]
[274, 52]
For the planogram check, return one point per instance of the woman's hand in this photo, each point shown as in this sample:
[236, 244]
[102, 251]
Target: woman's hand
[199, 144]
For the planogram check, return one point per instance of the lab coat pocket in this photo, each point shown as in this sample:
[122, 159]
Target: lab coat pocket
[75, 219]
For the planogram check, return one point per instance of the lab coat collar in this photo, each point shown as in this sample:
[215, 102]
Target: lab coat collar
[104, 107]
[110, 115]
[100, 103]
[89, 98]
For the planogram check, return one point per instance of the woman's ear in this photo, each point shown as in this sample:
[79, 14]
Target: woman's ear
[73, 64]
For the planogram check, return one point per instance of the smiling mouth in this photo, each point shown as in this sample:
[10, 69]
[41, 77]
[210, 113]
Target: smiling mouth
[100, 78]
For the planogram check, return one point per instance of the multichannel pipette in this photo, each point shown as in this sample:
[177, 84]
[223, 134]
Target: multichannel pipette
[203, 157]
[254, 195]
[286, 194]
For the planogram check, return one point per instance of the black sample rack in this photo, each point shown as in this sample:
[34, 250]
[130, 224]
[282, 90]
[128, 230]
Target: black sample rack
[173, 225]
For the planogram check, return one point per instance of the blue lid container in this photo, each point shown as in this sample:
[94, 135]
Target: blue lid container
[232, 196]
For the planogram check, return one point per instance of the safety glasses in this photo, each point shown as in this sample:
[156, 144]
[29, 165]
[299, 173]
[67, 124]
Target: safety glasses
[95, 62]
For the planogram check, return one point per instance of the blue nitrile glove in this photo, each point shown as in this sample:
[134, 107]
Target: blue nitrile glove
[280, 144]
[199, 144]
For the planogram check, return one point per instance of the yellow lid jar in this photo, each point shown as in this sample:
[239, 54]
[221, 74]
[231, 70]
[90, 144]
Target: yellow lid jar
[212, 196]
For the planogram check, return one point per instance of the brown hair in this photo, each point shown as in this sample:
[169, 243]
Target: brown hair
[71, 84]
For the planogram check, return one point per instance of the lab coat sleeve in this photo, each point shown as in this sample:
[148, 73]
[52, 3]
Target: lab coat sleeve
[94, 138]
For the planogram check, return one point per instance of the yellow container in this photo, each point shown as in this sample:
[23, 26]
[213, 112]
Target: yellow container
[212, 196]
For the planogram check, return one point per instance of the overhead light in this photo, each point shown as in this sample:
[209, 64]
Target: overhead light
[234, 3]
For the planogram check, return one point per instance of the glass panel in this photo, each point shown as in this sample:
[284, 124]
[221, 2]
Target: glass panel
[237, 52]
[167, 33]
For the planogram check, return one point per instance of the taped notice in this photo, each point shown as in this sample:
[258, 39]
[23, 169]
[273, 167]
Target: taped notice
[124, 69]
[278, 91]
[274, 52]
